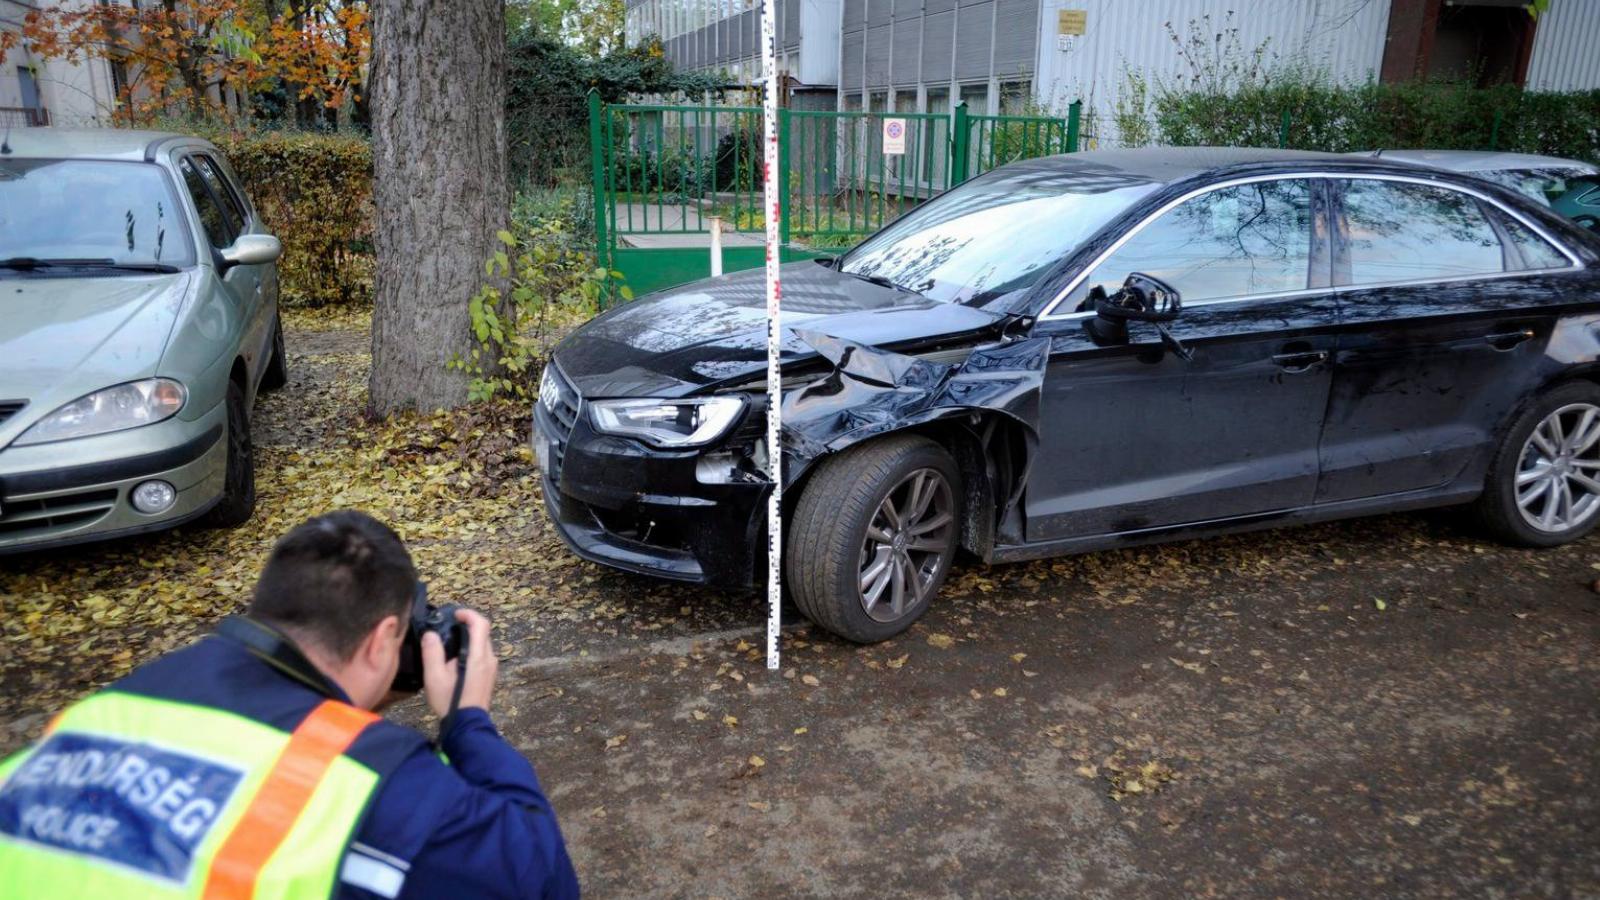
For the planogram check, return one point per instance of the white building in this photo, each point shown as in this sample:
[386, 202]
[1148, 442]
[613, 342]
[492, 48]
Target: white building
[997, 55]
[35, 91]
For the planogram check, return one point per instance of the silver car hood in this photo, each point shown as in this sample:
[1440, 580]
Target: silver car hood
[61, 338]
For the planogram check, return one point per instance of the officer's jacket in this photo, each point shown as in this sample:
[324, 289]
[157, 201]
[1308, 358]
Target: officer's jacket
[212, 773]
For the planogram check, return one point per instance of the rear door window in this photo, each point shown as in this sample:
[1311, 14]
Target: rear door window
[1230, 242]
[1402, 231]
[219, 231]
[1535, 252]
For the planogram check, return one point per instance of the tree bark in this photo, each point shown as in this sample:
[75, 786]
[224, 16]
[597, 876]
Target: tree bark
[439, 161]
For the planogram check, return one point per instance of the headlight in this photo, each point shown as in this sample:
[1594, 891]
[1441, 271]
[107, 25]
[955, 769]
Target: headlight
[113, 409]
[666, 423]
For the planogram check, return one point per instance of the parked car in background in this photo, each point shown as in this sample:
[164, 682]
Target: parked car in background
[1540, 178]
[1094, 351]
[138, 321]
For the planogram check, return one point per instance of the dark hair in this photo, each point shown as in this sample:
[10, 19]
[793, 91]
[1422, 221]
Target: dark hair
[333, 578]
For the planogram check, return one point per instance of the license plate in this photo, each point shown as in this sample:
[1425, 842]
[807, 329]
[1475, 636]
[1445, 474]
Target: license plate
[541, 449]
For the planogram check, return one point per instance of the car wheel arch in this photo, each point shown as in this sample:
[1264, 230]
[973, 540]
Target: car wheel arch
[993, 451]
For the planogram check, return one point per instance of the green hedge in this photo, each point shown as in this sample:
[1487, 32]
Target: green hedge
[315, 193]
[1325, 116]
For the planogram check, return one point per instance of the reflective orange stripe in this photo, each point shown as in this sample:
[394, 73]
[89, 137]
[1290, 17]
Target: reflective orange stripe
[312, 748]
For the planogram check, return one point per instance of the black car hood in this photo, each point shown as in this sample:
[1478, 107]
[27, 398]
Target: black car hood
[709, 332]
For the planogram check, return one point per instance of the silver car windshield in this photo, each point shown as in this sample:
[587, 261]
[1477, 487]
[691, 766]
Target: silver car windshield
[122, 213]
[1542, 184]
[996, 234]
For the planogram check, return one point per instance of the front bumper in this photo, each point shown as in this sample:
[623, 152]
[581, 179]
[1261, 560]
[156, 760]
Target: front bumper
[73, 491]
[620, 503]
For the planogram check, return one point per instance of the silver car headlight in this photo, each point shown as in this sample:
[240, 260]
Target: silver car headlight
[111, 409]
[666, 423]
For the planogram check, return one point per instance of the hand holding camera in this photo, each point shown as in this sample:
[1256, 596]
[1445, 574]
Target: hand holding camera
[440, 672]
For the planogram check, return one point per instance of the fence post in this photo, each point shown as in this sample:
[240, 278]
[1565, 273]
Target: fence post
[597, 164]
[959, 136]
[1283, 130]
[1074, 116]
[1494, 130]
[783, 176]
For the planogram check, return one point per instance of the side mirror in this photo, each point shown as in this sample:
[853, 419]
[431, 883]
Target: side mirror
[252, 250]
[1142, 298]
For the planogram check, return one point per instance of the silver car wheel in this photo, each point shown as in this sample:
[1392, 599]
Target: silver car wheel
[908, 541]
[1558, 473]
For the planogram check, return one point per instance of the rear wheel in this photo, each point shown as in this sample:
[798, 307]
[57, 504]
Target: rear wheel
[1544, 482]
[239, 484]
[873, 537]
[277, 372]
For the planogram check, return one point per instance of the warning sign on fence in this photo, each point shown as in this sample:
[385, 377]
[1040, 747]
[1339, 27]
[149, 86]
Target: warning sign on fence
[894, 137]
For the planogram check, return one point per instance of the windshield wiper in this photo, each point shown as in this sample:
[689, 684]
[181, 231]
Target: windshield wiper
[30, 263]
[880, 281]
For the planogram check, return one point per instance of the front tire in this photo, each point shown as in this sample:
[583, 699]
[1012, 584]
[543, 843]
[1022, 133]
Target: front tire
[276, 374]
[1543, 486]
[238, 501]
[873, 537]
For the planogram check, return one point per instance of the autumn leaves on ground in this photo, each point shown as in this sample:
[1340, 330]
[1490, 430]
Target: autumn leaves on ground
[1382, 707]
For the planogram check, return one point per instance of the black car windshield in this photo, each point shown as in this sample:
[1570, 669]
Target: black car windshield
[84, 212]
[996, 234]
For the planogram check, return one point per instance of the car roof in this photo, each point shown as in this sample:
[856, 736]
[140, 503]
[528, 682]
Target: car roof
[1166, 165]
[1476, 160]
[85, 143]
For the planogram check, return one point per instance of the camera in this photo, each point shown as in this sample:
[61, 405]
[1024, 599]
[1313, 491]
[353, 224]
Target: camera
[426, 617]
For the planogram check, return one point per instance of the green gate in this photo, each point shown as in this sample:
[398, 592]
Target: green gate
[662, 174]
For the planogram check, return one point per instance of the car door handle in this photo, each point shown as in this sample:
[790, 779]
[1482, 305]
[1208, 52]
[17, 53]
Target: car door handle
[1300, 361]
[1505, 340]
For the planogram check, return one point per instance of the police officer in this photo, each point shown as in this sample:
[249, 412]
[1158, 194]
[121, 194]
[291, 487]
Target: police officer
[250, 764]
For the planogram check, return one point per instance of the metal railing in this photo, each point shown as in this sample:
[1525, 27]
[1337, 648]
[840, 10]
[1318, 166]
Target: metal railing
[25, 116]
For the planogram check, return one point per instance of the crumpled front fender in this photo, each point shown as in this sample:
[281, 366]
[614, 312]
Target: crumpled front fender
[870, 392]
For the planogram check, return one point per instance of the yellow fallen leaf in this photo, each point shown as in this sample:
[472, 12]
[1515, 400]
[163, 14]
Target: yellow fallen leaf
[899, 661]
[942, 641]
[801, 730]
[809, 680]
[614, 742]
[757, 762]
[999, 692]
[730, 721]
[699, 715]
[759, 805]
[1018, 657]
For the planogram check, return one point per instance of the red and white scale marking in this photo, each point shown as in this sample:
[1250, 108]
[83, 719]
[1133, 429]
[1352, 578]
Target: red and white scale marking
[773, 183]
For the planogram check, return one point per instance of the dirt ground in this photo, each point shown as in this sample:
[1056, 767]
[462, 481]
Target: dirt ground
[1387, 707]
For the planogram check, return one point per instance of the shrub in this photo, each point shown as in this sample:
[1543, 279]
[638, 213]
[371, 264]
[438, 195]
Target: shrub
[314, 191]
[543, 283]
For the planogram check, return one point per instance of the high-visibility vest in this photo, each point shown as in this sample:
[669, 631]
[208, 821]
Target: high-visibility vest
[132, 796]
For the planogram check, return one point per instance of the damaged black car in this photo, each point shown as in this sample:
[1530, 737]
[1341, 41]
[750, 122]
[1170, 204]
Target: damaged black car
[1091, 351]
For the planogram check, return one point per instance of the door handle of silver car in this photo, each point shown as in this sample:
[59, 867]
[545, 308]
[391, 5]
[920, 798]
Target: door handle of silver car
[1302, 361]
[1506, 340]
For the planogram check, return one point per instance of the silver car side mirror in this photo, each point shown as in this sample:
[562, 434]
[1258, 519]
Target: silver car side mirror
[253, 250]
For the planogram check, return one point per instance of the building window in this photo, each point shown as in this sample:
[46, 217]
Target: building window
[976, 97]
[939, 101]
[852, 102]
[1014, 98]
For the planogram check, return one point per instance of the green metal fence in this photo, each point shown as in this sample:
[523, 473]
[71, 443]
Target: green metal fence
[661, 173]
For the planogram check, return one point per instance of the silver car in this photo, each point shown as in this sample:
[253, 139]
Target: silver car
[138, 321]
[1543, 178]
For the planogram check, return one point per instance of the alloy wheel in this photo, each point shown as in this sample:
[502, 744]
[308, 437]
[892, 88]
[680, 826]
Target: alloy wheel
[1558, 473]
[907, 544]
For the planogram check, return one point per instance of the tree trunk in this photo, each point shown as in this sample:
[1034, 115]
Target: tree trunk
[439, 160]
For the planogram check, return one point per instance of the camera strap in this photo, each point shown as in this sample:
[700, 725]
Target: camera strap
[455, 693]
[272, 647]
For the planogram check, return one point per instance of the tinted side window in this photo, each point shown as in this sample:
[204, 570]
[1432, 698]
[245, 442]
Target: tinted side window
[212, 217]
[223, 193]
[1230, 242]
[1400, 231]
[1537, 253]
